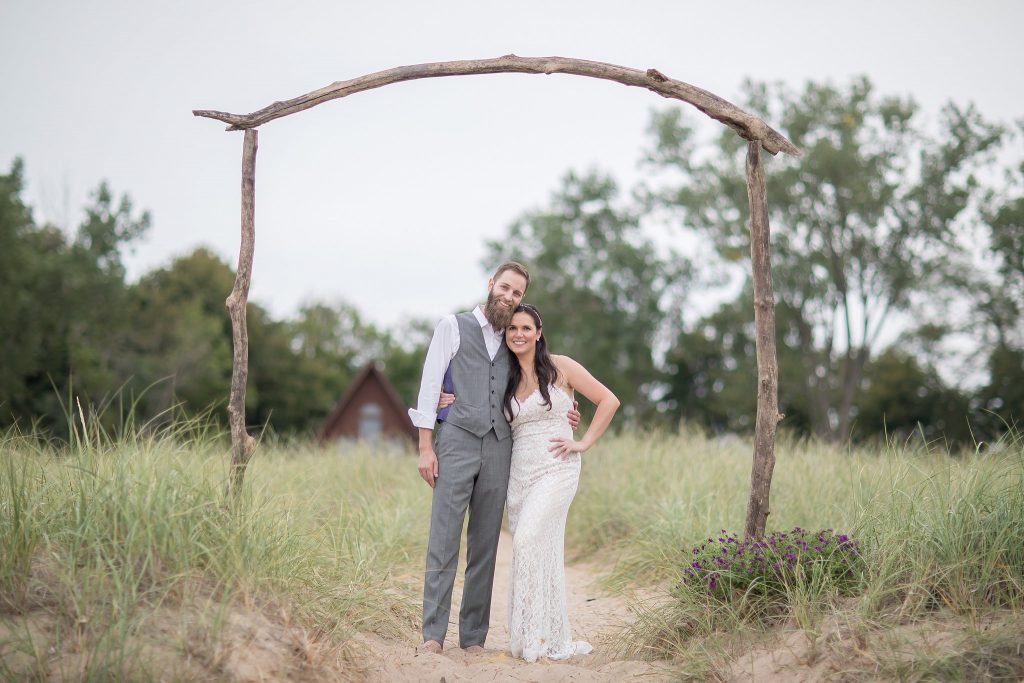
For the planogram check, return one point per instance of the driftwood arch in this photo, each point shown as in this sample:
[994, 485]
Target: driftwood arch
[759, 135]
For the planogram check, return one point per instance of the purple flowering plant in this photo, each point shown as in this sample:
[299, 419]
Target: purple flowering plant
[723, 563]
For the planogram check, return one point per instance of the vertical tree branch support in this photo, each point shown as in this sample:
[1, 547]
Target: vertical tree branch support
[242, 445]
[767, 363]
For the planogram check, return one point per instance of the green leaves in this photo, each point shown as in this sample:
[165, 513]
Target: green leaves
[76, 332]
[861, 225]
[108, 229]
[603, 288]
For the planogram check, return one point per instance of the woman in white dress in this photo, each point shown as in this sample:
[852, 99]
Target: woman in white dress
[544, 477]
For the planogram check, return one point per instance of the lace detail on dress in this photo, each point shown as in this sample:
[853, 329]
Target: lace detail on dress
[540, 489]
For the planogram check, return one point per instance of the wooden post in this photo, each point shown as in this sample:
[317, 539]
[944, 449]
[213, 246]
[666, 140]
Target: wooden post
[767, 364]
[242, 445]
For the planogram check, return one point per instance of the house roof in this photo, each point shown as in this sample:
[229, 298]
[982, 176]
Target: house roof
[368, 371]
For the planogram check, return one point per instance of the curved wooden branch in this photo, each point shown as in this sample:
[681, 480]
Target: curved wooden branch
[746, 125]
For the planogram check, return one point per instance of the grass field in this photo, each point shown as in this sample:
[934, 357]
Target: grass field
[121, 561]
[942, 543]
[121, 557]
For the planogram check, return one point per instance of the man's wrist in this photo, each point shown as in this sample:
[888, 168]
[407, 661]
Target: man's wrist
[426, 441]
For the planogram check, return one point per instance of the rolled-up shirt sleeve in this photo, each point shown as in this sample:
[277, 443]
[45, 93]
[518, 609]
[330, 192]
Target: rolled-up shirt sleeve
[443, 346]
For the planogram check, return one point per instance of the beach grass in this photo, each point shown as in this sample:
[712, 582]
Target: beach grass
[941, 537]
[122, 559]
[110, 544]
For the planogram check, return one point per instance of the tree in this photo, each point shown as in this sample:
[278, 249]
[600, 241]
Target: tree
[1000, 303]
[180, 345]
[27, 271]
[180, 349]
[599, 283]
[74, 328]
[1003, 215]
[301, 367]
[402, 357]
[901, 398]
[1001, 402]
[306, 363]
[861, 224]
[712, 371]
[95, 297]
[64, 318]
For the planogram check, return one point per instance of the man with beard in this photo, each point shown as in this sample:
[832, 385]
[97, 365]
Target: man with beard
[470, 467]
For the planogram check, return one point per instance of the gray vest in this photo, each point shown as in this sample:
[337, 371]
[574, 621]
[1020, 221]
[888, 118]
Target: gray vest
[479, 382]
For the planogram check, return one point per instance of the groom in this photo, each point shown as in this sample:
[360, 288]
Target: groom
[470, 467]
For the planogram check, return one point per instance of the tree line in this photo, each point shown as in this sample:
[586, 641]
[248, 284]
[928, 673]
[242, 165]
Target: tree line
[898, 267]
[78, 336]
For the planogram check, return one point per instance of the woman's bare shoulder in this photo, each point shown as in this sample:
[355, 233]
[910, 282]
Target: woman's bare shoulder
[566, 366]
[560, 361]
[564, 362]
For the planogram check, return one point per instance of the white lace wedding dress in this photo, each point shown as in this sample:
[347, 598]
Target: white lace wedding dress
[540, 489]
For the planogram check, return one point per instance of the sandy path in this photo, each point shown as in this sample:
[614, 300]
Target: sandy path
[596, 617]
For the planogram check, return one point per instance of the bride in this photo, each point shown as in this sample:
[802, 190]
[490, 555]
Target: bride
[544, 477]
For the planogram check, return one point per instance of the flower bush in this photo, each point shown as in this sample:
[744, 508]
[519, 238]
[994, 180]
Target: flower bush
[725, 564]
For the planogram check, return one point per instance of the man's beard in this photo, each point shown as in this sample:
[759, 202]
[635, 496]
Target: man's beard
[498, 316]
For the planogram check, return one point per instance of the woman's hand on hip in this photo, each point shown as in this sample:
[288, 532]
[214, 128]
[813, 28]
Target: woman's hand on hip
[563, 447]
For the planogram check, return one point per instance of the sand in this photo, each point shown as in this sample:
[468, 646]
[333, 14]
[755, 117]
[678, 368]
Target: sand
[596, 617]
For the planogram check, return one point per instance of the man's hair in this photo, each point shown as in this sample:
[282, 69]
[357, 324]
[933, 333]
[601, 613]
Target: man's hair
[515, 268]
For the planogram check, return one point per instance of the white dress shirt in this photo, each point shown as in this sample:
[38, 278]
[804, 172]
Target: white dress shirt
[443, 347]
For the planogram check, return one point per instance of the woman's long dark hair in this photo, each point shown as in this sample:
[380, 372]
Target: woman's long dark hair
[547, 373]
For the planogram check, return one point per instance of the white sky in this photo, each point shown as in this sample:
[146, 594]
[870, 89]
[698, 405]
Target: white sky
[386, 198]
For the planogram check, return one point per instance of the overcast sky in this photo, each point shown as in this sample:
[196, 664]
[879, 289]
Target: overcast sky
[386, 198]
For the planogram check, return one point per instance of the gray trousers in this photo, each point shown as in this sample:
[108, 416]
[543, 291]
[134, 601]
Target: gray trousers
[473, 475]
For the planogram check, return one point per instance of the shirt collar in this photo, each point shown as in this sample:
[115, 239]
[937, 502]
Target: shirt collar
[482, 319]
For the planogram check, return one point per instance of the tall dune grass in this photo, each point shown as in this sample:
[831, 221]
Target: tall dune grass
[939, 532]
[110, 545]
[102, 535]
